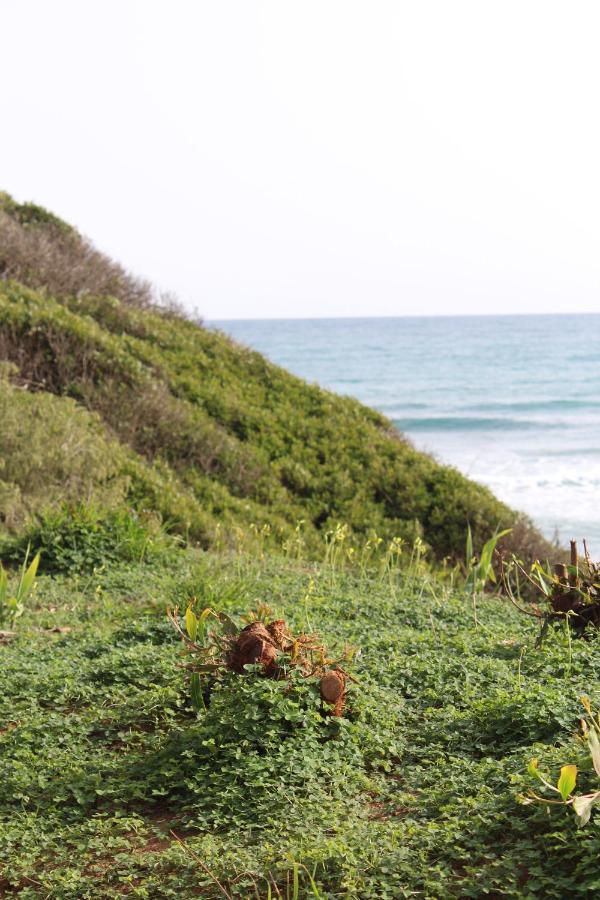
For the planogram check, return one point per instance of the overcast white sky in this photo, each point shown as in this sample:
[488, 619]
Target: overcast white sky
[318, 157]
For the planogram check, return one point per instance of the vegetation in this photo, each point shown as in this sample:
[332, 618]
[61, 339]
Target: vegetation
[204, 433]
[112, 784]
[39, 249]
[148, 464]
[52, 452]
[12, 604]
[582, 804]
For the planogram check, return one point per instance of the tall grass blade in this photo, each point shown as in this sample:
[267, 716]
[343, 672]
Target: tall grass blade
[485, 570]
[469, 548]
[27, 577]
[3, 586]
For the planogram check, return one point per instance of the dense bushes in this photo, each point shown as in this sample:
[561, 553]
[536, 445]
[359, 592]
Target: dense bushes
[40, 250]
[51, 451]
[241, 439]
[81, 538]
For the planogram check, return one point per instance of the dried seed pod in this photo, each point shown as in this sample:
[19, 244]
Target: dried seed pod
[255, 628]
[333, 685]
[254, 645]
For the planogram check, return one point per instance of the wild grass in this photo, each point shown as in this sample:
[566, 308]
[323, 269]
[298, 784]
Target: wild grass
[12, 602]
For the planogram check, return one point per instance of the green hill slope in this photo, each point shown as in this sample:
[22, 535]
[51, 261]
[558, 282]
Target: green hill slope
[205, 432]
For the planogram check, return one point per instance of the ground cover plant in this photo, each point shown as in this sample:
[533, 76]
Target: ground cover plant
[113, 783]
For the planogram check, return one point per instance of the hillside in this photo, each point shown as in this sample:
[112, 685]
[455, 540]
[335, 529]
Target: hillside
[186, 425]
[254, 661]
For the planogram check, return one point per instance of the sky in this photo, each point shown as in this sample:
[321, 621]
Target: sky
[317, 157]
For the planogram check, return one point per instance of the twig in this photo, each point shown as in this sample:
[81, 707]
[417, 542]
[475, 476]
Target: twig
[574, 575]
[273, 882]
[31, 880]
[592, 567]
[511, 597]
[201, 863]
[172, 618]
[527, 576]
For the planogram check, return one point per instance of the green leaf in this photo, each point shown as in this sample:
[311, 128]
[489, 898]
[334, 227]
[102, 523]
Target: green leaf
[227, 623]
[28, 578]
[191, 623]
[594, 745]
[485, 563]
[533, 770]
[540, 576]
[469, 548]
[202, 621]
[3, 585]
[567, 781]
[196, 692]
[204, 615]
[583, 808]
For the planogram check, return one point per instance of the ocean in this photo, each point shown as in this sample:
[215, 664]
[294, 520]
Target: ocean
[511, 401]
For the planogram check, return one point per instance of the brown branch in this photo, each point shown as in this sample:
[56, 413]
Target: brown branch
[201, 863]
[185, 637]
[511, 597]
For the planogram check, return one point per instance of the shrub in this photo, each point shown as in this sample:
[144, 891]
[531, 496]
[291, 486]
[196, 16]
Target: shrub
[82, 538]
[40, 250]
[245, 440]
[52, 451]
[262, 751]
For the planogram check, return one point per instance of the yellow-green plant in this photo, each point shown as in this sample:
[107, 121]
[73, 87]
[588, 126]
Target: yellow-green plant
[480, 570]
[12, 605]
[581, 803]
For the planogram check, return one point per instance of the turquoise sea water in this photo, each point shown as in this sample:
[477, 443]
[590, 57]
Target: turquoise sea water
[511, 401]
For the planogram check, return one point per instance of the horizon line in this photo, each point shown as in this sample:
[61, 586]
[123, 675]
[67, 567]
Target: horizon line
[513, 315]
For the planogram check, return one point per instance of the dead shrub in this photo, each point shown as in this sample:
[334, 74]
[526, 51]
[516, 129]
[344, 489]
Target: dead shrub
[45, 256]
[268, 645]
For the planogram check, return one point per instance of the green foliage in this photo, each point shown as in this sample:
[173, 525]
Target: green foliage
[33, 215]
[480, 571]
[12, 606]
[258, 735]
[81, 538]
[240, 441]
[52, 451]
[582, 804]
[413, 792]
